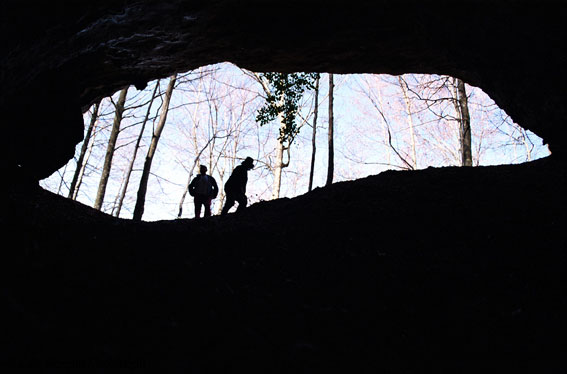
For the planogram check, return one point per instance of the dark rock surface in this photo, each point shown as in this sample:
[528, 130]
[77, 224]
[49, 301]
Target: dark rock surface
[446, 263]
[450, 263]
[57, 58]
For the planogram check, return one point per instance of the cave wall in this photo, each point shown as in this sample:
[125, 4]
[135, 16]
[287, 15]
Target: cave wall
[59, 58]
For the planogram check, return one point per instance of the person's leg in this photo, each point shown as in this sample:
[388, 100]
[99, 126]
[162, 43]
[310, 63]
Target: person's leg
[198, 204]
[207, 204]
[242, 202]
[228, 204]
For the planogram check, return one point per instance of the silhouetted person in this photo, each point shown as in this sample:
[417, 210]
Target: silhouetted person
[235, 186]
[204, 189]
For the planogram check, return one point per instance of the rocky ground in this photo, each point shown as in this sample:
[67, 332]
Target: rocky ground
[446, 263]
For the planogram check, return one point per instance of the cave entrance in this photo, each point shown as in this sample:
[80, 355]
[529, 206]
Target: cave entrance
[381, 122]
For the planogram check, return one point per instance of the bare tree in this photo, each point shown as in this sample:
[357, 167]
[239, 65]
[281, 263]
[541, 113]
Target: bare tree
[434, 92]
[119, 110]
[135, 152]
[279, 162]
[411, 121]
[84, 147]
[331, 162]
[462, 109]
[62, 179]
[407, 101]
[388, 130]
[372, 87]
[194, 137]
[141, 198]
[314, 137]
[85, 162]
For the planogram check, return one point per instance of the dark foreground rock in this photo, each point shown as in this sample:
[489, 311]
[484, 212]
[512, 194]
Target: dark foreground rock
[450, 263]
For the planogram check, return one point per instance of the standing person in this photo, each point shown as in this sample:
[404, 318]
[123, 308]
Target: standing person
[203, 189]
[235, 186]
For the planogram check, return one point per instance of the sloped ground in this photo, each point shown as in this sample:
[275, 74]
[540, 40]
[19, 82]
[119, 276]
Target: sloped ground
[444, 263]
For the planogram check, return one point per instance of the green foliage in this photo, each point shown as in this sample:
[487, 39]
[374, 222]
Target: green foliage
[286, 92]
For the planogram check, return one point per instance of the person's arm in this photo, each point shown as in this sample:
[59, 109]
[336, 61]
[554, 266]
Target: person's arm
[192, 186]
[215, 187]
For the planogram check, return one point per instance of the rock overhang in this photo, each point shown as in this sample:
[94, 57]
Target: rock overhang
[60, 58]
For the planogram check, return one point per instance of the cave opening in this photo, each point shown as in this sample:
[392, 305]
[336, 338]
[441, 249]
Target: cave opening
[448, 261]
[381, 122]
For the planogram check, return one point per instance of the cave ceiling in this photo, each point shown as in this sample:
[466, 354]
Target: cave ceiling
[60, 57]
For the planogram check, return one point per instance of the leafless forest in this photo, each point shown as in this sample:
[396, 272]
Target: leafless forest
[142, 147]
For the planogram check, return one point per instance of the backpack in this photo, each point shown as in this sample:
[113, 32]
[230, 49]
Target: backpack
[203, 186]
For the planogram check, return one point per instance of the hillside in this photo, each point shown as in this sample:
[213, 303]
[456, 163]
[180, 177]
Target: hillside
[442, 262]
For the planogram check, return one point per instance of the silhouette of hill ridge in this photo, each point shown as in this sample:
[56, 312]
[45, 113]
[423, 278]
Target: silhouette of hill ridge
[442, 261]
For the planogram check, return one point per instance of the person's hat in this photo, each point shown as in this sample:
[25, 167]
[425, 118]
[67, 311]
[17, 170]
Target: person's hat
[248, 161]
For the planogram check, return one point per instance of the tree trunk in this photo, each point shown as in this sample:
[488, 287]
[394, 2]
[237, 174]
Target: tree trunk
[110, 149]
[280, 148]
[465, 124]
[279, 163]
[136, 147]
[62, 180]
[331, 163]
[313, 140]
[83, 151]
[141, 199]
[85, 163]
